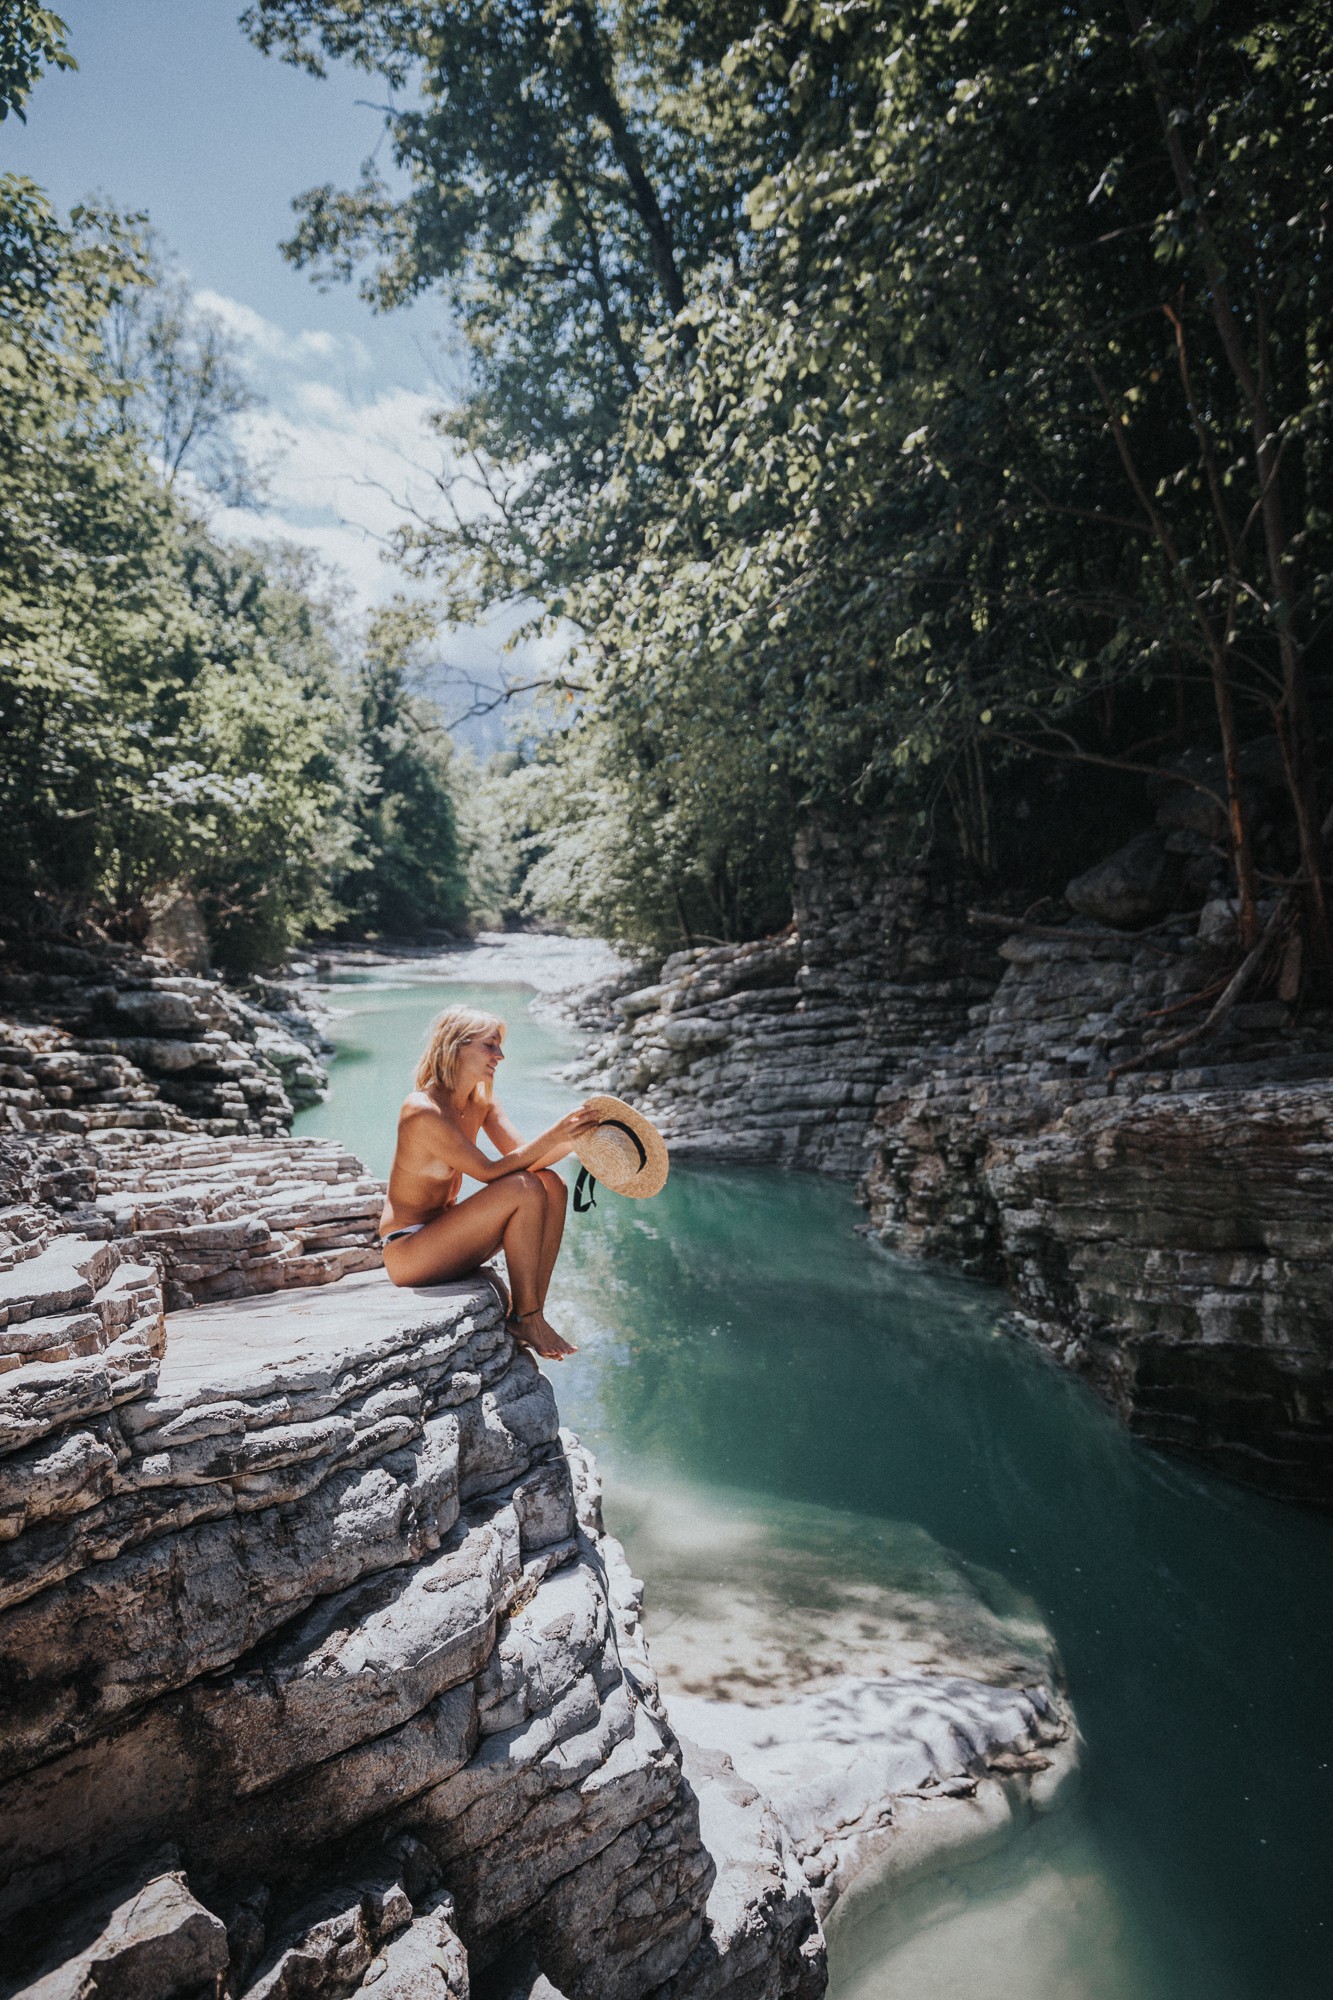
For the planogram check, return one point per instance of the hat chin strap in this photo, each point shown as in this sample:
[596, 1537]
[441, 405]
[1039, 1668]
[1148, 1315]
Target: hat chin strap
[585, 1196]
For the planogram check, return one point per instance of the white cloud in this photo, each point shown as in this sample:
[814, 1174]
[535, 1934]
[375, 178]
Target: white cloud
[252, 330]
[345, 457]
[348, 458]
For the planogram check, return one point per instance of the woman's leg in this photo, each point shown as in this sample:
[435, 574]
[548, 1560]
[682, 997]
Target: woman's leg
[552, 1231]
[509, 1214]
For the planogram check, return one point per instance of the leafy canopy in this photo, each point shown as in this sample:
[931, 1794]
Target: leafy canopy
[172, 710]
[893, 399]
[31, 39]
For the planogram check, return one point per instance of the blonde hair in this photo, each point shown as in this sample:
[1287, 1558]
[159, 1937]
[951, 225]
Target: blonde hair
[449, 1031]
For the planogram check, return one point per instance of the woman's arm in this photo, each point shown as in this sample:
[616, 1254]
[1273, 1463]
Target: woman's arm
[499, 1131]
[450, 1146]
[509, 1142]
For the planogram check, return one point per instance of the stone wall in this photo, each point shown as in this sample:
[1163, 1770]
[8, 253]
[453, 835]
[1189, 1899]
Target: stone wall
[322, 1674]
[974, 1079]
[778, 1051]
[114, 1039]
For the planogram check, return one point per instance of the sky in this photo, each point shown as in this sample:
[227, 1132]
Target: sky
[172, 111]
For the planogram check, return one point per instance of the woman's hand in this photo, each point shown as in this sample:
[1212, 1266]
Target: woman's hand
[564, 1135]
[574, 1124]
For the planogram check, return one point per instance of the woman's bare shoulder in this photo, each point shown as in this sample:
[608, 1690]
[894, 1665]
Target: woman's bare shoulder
[419, 1107]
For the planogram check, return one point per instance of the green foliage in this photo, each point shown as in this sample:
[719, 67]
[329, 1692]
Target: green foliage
[264, 761]
[885, 395]
[970, 456]
[408, 868]
[559, 195]
[31, 39]
[599, 165]
[173, 710]
[491, 835]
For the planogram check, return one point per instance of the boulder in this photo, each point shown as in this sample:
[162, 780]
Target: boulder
[152, 1941]
[1132, 887]
[424, 1962]
[851, 1766]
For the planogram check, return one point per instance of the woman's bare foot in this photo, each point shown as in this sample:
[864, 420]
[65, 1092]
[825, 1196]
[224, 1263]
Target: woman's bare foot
[534, 1330]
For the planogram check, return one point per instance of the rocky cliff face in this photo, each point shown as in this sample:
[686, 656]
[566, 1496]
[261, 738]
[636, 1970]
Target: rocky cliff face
[106, 1038]
[322, 1673]
[1166, 1230]
[995, 1094]
[1176, 1250]
[299, 1618]
[778, 1051]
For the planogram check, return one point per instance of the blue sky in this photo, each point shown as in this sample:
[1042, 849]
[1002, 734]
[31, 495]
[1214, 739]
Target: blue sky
[174, 112]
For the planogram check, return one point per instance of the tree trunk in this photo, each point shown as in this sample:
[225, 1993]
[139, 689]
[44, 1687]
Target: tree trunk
[1294, 728]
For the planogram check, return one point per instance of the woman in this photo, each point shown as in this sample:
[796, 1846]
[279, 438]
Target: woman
[428, 1234]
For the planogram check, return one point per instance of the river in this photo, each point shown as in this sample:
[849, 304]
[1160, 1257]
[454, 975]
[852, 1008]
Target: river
[806, 1445]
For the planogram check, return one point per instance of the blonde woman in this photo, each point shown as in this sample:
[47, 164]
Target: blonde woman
[428, 1234]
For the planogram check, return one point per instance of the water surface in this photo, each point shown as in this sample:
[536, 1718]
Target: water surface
[847, 1448]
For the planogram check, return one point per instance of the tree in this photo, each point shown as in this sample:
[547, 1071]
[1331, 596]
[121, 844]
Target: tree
[562, 196]
[988, 424]
[408, 872]
[559, 196]
[1013, 434]
[32, 38]
[177, 381]
[175, 711]
[157, 723]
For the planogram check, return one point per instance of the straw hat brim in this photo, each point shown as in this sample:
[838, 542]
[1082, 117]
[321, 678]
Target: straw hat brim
[612, 1158]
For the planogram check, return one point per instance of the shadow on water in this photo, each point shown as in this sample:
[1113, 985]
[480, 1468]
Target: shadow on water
[739, 1338]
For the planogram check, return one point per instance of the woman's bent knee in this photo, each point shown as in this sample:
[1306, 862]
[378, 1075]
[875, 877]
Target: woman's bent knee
[528, 1185]
[554, 1186]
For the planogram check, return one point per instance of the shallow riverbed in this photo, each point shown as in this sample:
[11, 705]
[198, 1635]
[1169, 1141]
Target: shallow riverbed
[817, 1458]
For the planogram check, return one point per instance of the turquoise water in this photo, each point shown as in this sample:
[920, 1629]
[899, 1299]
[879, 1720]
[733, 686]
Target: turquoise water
[747, 1359]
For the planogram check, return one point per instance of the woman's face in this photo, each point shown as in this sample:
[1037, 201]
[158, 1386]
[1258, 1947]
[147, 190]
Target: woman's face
[478, 1060]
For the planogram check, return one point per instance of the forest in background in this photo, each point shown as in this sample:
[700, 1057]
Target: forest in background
[919, 410]
[177, 712]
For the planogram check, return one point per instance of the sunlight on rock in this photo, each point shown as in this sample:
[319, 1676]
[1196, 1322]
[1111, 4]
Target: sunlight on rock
[752, 1600]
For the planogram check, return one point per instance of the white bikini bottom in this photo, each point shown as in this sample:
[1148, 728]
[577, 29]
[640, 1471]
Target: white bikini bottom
[394, 1234]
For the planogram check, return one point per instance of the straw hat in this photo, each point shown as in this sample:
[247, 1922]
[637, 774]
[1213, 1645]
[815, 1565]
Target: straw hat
[626, 1152]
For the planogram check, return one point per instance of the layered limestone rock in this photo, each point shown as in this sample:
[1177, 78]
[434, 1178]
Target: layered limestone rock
[334, 1620]
[778, 1051]
[217, 1218]
[1176, 1250]
[109, 1038]
[318, 1678]
[323, 1674]
[1071, 1016]
[1166, 1230]
[231, 1217]
[959, 1071]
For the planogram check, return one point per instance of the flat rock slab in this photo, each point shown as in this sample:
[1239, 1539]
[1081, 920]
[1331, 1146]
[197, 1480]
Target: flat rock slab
[218, 1350]
[852, 1766]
